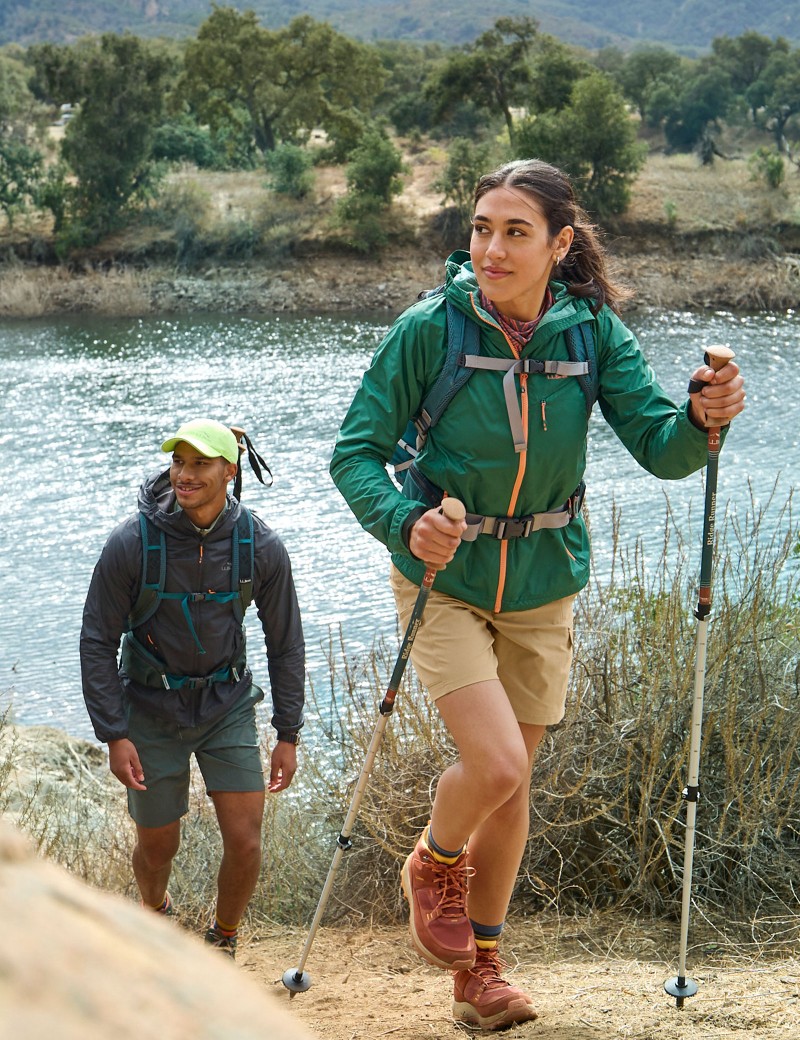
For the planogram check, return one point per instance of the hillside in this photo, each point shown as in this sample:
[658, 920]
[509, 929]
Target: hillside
[689, 26]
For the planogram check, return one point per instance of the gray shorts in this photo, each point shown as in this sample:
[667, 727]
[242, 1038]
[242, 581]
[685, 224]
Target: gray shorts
[227, 750]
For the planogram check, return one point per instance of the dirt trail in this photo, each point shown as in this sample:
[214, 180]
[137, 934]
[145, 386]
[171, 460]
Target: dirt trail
[589, 979]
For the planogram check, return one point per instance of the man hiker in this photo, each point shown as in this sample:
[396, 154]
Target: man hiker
[172, 584]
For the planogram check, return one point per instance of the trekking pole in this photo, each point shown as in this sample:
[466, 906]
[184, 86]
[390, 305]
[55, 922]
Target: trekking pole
[297, 980]
[680, 987]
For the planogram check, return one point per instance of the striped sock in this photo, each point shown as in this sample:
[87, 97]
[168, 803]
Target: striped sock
[163, 907]
[439, 854]
[487, 936]
[225, 929]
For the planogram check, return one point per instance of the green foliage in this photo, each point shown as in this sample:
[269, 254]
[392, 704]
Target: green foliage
[466, 162]
[768, 166]
[118, 84]
[289, 167]
[182, 140]
[594, 140]
[697, 108]
[493, 72]
[645, 71]
[375, 168]
[276, 85]
[20, 171]
[775, 95]
[373, 179]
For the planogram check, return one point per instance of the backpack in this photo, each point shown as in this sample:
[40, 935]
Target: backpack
[154, 572]
[139, 663]
[464, 356]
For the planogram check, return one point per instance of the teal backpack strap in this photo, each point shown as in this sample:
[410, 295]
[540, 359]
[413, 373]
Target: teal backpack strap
[243, 563]
[581, 347]
[463, 341]
[154, 573]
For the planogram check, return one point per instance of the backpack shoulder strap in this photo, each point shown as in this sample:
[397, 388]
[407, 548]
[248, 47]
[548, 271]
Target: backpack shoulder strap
[463, 339]
[154, 572]
[242, 562]
[581, 347]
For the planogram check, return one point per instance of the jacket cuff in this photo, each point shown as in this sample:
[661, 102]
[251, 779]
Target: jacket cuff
[408, 523]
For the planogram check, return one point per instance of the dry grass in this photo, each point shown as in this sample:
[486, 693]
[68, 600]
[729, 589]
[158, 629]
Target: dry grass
[722, 197]
[606, 812]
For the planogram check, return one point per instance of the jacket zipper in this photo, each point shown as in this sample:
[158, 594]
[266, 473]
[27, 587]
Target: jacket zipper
[521, 466]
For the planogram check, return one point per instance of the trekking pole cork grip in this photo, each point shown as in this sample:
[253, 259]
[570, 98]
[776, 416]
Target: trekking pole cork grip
[718, 357]
[453, 508]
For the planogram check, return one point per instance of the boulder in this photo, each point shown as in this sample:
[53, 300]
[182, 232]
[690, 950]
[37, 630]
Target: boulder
[76, 962]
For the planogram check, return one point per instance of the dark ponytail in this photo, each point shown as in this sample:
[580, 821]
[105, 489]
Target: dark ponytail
[585, 267]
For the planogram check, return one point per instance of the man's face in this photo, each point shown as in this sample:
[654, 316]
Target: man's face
[199, 483]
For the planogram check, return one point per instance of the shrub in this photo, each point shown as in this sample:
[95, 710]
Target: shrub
[768, 166]
[289, 167]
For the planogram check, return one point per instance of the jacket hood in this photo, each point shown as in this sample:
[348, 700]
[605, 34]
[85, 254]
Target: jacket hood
[157, 501]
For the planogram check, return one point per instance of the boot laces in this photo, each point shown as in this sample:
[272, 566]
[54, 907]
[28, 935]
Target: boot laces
[488, 968]
[451, 884]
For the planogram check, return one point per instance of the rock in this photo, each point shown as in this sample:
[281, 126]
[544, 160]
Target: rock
[80, 963]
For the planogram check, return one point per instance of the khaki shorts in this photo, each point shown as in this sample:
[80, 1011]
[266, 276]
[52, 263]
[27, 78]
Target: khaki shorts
[227, 750]
[529, 651]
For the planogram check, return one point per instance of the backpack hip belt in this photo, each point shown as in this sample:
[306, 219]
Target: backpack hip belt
[416, 485]
[145, 668]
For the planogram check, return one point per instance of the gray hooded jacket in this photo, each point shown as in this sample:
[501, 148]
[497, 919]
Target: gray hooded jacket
[194, 563]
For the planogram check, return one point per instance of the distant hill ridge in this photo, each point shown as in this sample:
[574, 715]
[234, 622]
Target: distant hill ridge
[688, 26]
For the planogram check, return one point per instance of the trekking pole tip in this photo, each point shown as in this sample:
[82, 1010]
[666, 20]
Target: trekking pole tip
[718, 357]
[453, 508]
[680, 989]
[296, 981]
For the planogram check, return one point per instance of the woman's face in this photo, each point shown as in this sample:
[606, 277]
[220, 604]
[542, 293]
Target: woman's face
[512, 252]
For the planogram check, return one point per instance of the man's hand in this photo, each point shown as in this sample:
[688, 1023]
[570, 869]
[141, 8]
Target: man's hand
[123, 760]
[282, 765]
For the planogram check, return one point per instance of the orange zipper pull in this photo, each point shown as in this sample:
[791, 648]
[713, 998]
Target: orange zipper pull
[544, 416]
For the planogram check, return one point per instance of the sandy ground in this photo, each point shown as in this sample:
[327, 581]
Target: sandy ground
[589, 979]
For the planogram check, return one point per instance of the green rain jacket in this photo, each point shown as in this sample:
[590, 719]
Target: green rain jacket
[470, 453]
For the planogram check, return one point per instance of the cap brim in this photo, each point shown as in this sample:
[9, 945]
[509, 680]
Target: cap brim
[201, 446]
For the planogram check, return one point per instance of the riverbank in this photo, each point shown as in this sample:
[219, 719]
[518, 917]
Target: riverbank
[694, 238]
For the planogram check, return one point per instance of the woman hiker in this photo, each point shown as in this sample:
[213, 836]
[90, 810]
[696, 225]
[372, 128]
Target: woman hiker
[495, 646]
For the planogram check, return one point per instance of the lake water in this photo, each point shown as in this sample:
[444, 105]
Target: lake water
[86, 404]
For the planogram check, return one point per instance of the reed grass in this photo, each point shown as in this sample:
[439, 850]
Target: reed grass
[607, 816]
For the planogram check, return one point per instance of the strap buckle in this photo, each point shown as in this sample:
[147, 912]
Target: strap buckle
[511, 527]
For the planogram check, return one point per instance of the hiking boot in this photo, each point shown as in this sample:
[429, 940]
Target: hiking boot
[437, 897]
[482, 997]
[225, 943]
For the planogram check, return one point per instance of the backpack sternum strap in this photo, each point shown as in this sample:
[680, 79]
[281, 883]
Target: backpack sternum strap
[513, 367]
[154, 575]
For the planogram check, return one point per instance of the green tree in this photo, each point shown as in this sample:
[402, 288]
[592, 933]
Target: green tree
[555, 69]
[373, 179]
[646, 70]
[20, 173]
[402, 99]
[278, 85]
[466, 162]
[697, 110]
[594, 140]
[493, 72]
[745, 58]
[775, 95]
[118, 85]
